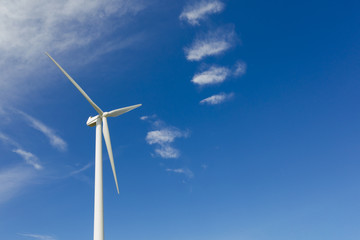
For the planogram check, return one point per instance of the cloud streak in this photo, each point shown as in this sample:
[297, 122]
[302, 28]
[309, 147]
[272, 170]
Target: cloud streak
[28, 28]
[7, 140]
[185, 171]
[38, 236]
[217, 99]
[13, 180]
[28, 157]
[195, 12]
[56, 141]
[211, 44]
[214, 75]
[84, 168]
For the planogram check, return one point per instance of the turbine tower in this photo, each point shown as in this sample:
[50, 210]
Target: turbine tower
[100, 119]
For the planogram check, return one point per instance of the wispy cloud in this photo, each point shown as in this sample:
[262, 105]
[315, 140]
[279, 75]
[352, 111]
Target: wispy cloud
[167, 151]
[239, 68]
[78, 172]
[217, 98]
[163, 137]
[166, 135]
[7, 140]
[37, 236]
[197, 11]
[13, 180]
[28, 28]
[28, 157]
[84, 168]
[213, 75]
[211, 44]
[148, 117]
[204, 166]
[187, 172]
[55, 140]
[216, 74]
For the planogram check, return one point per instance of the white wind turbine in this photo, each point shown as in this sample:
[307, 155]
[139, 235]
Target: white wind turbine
[92, 121]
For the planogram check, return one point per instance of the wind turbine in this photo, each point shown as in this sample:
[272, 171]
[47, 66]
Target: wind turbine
[96, 121]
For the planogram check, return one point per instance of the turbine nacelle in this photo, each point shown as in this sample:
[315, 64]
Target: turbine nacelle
[91, 122]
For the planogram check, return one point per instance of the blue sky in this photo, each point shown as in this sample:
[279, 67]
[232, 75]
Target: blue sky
[249, 128]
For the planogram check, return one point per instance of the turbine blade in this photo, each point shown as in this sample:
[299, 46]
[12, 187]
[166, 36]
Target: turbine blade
[77, 86]
[109, 149]
[117, 112]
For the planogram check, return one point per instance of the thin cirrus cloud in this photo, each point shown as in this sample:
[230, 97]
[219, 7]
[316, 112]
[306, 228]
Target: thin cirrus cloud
[29, 158]
[7, 140]
[28, 28]
[217, 99]
[193, 13]
[56, 141]
[163, 137]
[185, 171]
[239, 68]
[211, 44]
[79, 173]
[213, 75]
[37, 236]
[13, 180]
[84, 168]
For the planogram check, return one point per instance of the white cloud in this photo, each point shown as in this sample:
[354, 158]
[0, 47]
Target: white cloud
[239, 69]
[166, 135]
[13, 180]
[38, 236]
[7, 140]
[217, 98]
[213, 75]
[78, 172]
[148, 117]
[193, 13]
[187, 172]
[29, 28]
[29, 158]
[212, 44]
[55, 140]
[167, 151]
[163, 137]
[84, 168]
